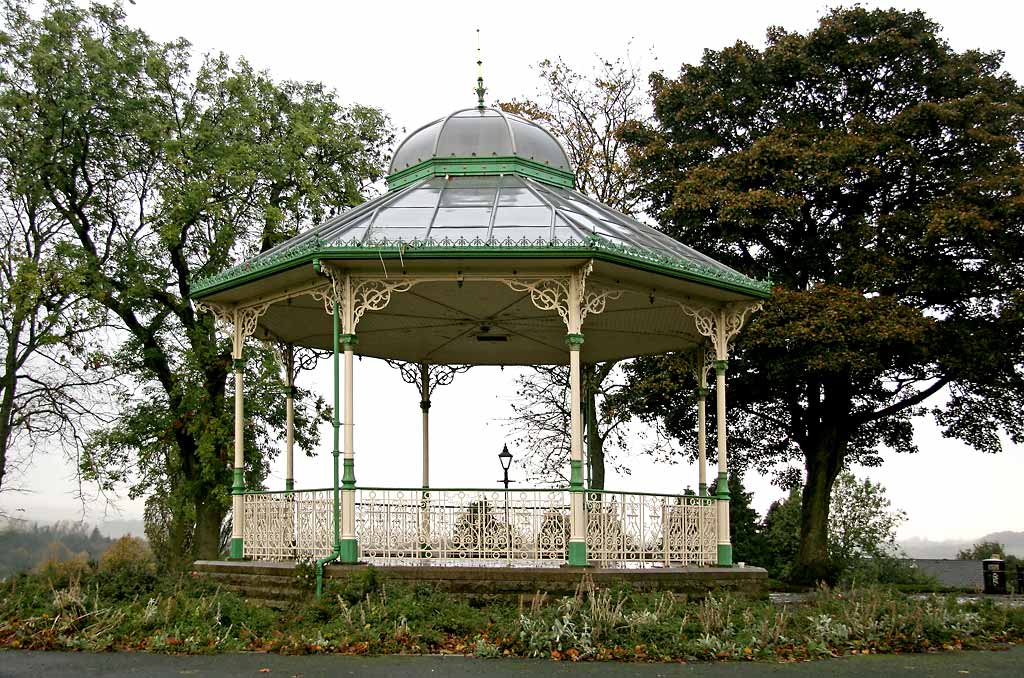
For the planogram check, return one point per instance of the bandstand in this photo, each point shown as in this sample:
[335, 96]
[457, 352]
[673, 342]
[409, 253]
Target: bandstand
[482, 253]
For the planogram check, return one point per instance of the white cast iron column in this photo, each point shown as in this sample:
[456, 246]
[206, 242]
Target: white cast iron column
[289, 367]
[702, 436]
[574, 338]
[724, 542]
[721, 325]
[238, 484]
[349, 547]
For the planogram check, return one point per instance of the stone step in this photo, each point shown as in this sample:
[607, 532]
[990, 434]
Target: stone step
[239, 578]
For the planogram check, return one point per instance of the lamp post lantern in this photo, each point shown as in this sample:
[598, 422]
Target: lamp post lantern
[505, 457]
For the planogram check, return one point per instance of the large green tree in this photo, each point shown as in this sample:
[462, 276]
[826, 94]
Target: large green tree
[163, 175]
[875, 175]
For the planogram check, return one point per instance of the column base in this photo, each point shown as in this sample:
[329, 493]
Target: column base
[702, 490]
[578, 554]
[725, 555]
[289, 484]
[349, 551]
[236, 551]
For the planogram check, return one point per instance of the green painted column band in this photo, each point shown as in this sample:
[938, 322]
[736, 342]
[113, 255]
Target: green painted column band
[292, 391]
[578, 554]
[238, 482]
[289, 484]
[349, 341]
[702, 489]
[236, 552]
[238, 364]
[574, 341]
[349, 551]
[425, 405]
[701, 393]
[575, 476]
[722, 487]
[720, 366]
[725, 555]
[348, 479]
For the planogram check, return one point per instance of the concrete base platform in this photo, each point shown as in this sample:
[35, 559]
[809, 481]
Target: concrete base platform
[488, 581]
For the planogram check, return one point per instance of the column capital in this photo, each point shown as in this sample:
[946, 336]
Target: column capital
[721, 365]
[701, 392]
[291, 391]
[425, 405]
[238, 364]
[349, 341]
[574, 340]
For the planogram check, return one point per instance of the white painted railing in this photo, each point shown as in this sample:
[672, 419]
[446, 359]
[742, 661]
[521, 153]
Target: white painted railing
[449, 526]
[288, 525]
[465, 526]
[632, 529]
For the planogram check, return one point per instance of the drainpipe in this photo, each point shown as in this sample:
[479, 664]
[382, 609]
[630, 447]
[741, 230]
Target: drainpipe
[336, 553]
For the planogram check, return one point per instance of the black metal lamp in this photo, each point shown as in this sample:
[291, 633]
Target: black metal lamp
[505, 457]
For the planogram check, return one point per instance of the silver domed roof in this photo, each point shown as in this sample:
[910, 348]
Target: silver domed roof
[480, 133]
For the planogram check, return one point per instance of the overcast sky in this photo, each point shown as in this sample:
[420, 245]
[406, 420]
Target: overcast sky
[417, 62]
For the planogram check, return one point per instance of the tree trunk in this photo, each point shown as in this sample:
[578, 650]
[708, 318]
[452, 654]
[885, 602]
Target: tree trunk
[209, 518]
[6, 412]
[823, 462]
[7, 400]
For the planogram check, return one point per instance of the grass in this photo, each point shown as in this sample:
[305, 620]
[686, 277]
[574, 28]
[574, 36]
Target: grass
[129, 609]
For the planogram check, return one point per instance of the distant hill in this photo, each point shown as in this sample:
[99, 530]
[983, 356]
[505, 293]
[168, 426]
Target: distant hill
[916, 547]
[25, 545]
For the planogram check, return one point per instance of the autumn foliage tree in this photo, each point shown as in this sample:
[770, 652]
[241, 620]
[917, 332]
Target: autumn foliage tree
[875, 175]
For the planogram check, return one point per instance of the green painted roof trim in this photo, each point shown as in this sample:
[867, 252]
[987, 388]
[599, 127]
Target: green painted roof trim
[595, 248]
[469, 167]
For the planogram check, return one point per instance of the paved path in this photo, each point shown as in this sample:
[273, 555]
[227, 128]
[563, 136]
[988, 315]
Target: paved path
[21, 664]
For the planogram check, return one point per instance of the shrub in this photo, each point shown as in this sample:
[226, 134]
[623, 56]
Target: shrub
[127, 552]
[62, 567]
[128, 569]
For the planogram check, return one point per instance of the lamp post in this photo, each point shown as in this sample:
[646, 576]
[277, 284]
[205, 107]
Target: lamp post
[505, 458]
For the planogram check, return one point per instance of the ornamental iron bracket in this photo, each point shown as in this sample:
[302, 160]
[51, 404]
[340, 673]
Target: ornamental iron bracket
[243, 321]
[355, 296]
[720, 325]
[567, 295]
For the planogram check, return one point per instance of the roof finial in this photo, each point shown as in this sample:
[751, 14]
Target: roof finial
[480, 90]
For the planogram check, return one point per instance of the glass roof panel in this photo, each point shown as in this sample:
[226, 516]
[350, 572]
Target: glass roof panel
[471, 134]
[459, 197]
[418, 197]
[534, 143]
[522, 216]
[515, 195]
[462, 216]
[416, 148]
[403, 217]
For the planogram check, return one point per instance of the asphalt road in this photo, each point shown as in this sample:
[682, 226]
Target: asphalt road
[22, 664]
